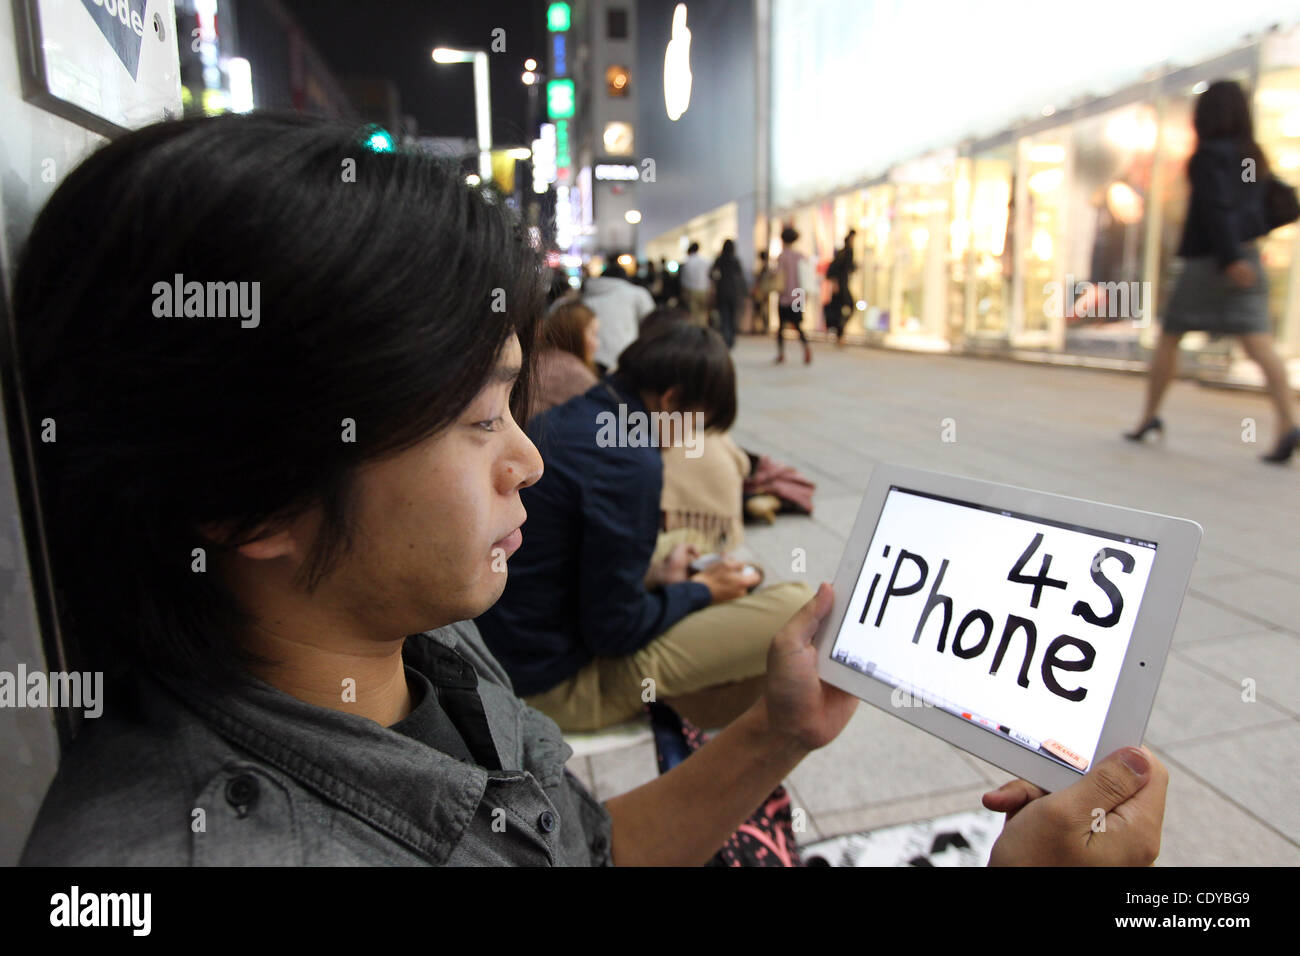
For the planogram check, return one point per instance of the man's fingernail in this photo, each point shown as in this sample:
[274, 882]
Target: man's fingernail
[1136, 761]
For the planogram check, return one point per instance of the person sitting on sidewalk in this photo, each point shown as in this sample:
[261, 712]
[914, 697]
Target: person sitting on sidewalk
[588, 625]
[284, 602]
[566, 363]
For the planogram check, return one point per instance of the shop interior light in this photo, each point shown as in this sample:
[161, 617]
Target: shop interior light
[472, 179]
[1132, 131]
[529, 78]
[530, 64]
[1200, 88]
[1047, 153]
[633, 216]
[1124, 203]
[1046, 180]
[1041, 245]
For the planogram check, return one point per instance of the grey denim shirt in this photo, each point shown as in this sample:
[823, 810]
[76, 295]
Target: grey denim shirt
[259, 777]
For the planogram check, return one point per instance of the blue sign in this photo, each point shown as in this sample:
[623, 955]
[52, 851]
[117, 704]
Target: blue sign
[559, 55]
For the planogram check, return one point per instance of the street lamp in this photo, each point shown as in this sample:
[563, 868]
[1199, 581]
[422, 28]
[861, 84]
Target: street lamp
[482, 100]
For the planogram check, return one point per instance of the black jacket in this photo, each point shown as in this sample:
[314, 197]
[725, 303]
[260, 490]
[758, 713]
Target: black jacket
[1225, 209]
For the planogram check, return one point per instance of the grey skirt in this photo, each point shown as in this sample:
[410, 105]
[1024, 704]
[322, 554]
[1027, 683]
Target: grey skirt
[1206, 300]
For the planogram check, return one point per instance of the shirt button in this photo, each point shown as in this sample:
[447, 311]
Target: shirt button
[546, 821]
[242, 792]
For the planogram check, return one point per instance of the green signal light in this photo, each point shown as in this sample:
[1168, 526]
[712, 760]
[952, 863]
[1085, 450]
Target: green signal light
[558, 17]
[560, 99]
[378, 139]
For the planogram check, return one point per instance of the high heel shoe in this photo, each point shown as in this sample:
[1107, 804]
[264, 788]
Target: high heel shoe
[1285, 446]
[1153, 424]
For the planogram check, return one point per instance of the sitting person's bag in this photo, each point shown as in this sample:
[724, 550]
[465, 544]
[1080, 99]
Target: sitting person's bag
[767, 477]
[767, 837]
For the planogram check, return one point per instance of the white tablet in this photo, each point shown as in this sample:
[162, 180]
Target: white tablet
[1027, 628]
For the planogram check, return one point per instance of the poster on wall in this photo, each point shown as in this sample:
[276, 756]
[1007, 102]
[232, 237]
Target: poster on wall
[110, 65]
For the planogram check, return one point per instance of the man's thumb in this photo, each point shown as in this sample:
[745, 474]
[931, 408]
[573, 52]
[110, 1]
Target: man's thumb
[806, 620]
[1113, 781]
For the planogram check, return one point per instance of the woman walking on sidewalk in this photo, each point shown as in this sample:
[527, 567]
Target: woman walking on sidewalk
[794, 299]
[1222, 289]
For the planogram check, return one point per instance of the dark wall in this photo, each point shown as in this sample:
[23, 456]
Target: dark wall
[706, 158]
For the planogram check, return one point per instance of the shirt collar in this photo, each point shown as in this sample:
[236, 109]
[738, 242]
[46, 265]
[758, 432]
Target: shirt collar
[416, 794]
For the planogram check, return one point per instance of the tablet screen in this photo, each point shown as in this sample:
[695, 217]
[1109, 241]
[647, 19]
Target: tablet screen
[1015, 623]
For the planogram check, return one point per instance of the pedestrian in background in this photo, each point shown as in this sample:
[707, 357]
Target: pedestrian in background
[652, 283]
[620, 306]
[766, 284]
[1223, 289]
[670, 285]
[840, 304]
[730, 287]
[794, 297]
[695, 284]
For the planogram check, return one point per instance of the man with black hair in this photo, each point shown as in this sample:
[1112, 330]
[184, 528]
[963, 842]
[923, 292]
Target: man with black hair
[275, 537]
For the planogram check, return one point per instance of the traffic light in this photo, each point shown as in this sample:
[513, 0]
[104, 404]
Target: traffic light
[378, 139]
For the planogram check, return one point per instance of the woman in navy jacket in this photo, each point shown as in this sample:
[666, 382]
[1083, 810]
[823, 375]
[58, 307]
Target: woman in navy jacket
[1222, 288]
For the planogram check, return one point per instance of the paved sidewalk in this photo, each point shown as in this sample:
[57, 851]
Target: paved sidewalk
[1235, 765]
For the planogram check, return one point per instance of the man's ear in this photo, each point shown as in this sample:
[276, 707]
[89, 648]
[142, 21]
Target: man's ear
[670, 401]
[265, 546]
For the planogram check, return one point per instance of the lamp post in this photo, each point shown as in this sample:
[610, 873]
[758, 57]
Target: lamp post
[482, 100]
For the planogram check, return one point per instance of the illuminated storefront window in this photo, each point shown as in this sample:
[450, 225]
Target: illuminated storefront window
[992, 265]
[1040, 200]
[1277, 127]
[1104, 295]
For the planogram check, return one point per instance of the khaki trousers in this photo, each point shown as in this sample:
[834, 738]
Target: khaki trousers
[708, 650]
[697, 301]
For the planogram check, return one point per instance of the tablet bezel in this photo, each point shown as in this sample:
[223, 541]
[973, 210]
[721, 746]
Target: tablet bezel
[1176, 540]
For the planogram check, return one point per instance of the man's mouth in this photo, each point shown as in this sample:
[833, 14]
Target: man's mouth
[510, 543]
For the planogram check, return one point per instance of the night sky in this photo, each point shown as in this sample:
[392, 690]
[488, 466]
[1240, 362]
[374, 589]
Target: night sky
[394, 38]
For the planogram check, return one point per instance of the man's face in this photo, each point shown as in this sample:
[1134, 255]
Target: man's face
[435, 523]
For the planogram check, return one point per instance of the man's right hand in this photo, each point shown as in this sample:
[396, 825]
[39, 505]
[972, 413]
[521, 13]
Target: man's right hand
[1111, 817]
[727, 580]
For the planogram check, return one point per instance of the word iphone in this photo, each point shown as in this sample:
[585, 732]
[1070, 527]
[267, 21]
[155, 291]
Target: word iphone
[1017, 624]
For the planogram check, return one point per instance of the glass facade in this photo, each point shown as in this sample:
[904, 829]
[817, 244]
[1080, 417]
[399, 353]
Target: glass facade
[1058, 236]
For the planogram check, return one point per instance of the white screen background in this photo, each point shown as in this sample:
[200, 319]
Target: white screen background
[982, 547]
